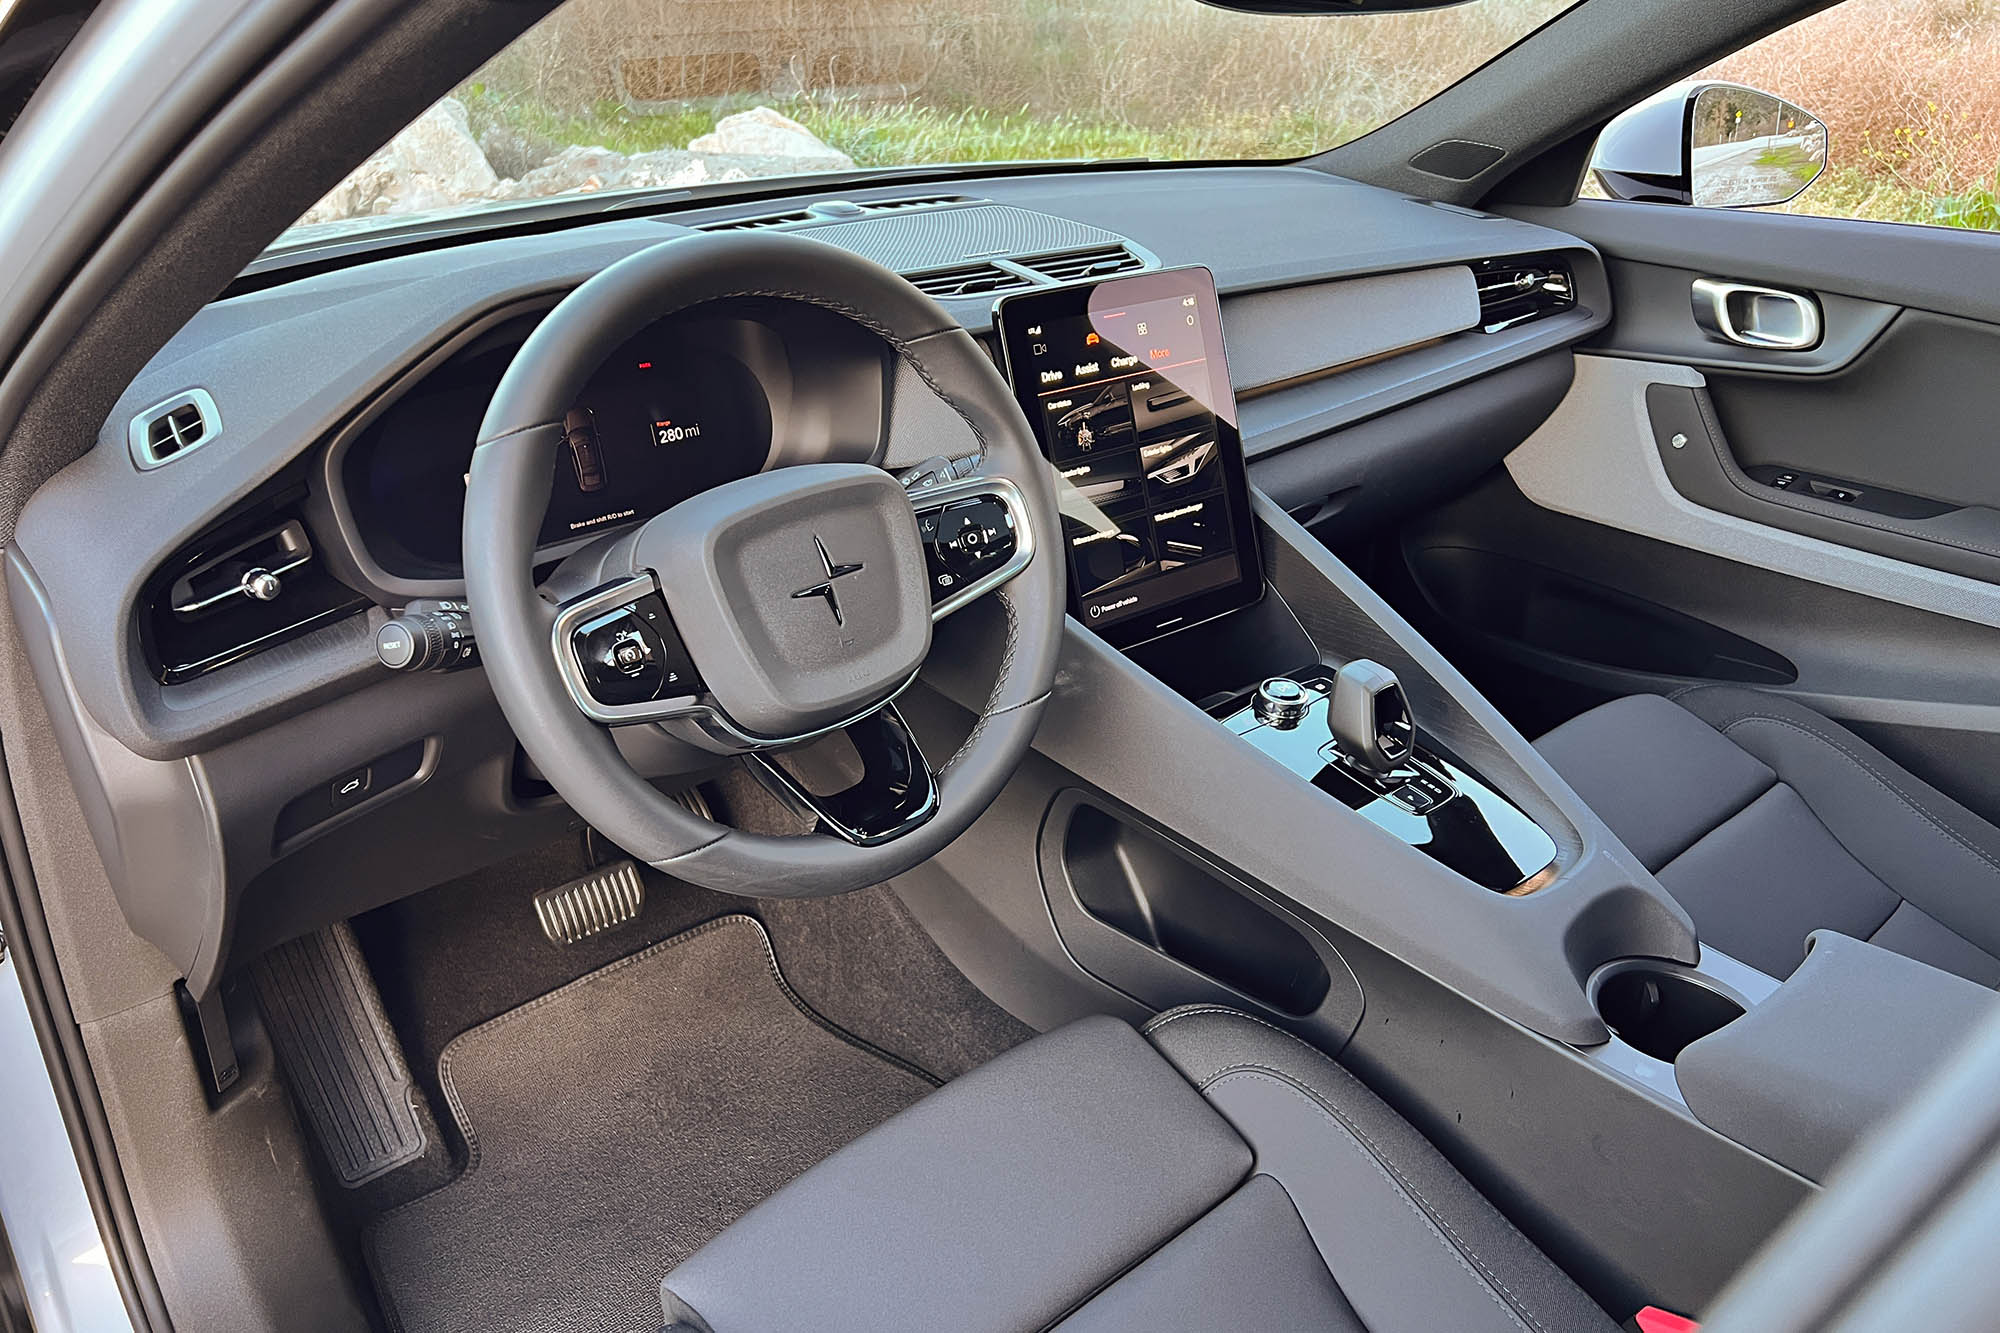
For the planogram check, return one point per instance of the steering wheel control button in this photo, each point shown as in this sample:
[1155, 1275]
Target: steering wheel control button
[964, 542]
[631, 655]
[428, 635]
[1281, 702]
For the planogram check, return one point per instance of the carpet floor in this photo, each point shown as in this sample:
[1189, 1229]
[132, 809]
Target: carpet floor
[614, 1125]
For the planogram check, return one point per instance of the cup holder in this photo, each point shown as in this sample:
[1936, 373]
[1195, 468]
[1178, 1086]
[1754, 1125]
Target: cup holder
[1659, 1010]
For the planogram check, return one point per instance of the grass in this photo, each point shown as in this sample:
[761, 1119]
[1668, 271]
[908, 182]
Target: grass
[1850, 192]
[912, 132]
[1793, 159]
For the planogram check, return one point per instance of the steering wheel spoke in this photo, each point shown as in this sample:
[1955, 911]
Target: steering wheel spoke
[621, 657]
[896, 792]
[976, 534]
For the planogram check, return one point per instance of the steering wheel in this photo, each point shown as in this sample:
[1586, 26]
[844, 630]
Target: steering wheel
[769, 611]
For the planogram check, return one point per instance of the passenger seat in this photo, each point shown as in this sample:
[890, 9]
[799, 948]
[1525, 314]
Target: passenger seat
[1768, 821]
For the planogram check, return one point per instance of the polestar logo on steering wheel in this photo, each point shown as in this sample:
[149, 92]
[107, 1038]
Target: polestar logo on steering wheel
[825, 588]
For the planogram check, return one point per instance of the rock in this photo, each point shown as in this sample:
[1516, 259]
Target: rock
[762, 132]
[436, 163]
[513, 151]
[433, 163]
[439, 144]
[586, 170]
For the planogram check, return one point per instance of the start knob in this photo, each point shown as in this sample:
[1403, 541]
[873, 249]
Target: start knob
[1281, 702]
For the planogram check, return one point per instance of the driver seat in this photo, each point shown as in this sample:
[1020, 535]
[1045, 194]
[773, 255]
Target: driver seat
[1213, 1173]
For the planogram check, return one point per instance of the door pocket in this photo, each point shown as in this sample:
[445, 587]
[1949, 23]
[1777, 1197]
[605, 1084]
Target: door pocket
[1548, 618]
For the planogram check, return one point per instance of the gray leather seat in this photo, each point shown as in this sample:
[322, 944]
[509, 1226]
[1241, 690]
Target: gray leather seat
[1214, 1173]
[1769, 821]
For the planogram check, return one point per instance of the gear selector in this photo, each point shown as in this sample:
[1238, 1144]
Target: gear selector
[1370, 718]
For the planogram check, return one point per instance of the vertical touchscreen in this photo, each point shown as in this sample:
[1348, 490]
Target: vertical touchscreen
[1125, 385]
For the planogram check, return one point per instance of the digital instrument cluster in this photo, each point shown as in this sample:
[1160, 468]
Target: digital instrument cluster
[669, 415]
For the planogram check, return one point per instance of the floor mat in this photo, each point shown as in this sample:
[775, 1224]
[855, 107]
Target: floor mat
[614, 1126]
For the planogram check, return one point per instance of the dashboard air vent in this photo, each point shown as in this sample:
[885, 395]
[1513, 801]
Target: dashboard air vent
[925, 201]
[968, 280]
[836, 210]
[1515, 291]
[756, 223]
[249, 585]
[1095, 261]
[165, 431]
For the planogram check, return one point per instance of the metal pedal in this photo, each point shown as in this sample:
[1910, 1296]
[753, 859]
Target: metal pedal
[606, 897]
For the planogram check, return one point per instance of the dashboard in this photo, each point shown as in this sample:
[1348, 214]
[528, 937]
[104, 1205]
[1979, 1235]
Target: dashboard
[203, 626]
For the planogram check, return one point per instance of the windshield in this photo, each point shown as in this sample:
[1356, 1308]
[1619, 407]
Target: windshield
[609, 95]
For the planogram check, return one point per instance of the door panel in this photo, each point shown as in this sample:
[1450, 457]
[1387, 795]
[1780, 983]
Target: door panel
[1918, 411]
[1598, 457]
[1823, 498]
[1920, 268]
[1695, 510]
[1889, 423]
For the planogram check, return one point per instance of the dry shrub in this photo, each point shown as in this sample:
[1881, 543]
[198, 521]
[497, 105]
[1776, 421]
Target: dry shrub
[1150, 63]
[590, 51]
[1909, 89]
[1176, 62]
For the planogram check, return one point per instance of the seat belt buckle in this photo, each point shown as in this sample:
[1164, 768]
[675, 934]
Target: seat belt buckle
[1652, 1319]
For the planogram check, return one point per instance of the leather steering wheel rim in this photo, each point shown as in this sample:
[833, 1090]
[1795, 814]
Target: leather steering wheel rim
[508, 490]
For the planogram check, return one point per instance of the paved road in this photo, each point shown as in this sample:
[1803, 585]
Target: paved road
[1728, 175]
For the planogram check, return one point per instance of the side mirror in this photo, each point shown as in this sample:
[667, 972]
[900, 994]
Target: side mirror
[1715, 145]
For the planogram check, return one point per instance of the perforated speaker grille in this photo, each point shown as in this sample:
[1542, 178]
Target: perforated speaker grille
[1457, 159]
[908, 242]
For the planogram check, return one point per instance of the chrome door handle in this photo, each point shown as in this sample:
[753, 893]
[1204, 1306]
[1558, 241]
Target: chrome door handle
[1761, 317]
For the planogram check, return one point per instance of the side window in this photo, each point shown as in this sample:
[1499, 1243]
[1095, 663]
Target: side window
[1908, 92]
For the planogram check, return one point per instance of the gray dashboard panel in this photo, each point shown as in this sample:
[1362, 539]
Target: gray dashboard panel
[286, 367]
[1263, 227]
[1285, 332]
[289, 363]
[932, 238]
[1276, 421]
